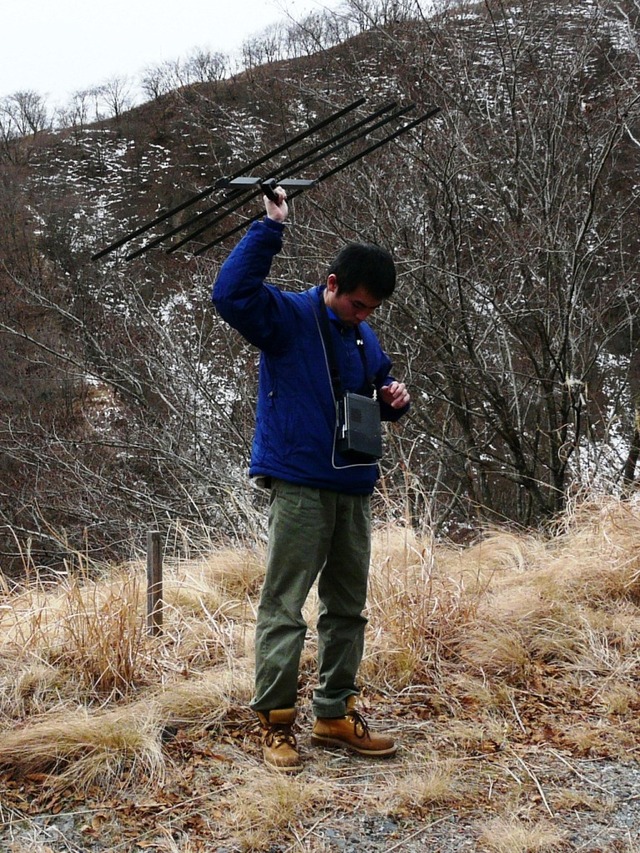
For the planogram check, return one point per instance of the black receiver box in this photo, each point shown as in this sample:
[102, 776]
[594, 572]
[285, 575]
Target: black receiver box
[359, 427]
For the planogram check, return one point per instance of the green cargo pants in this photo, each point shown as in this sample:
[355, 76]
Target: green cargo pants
[313, 533]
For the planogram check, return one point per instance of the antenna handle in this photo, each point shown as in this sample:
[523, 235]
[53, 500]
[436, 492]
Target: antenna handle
[267, 187]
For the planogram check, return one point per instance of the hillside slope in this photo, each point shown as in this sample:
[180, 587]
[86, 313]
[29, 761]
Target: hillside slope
[512, 216]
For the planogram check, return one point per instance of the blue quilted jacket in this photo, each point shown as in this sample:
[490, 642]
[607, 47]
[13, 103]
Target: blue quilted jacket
[296, 412]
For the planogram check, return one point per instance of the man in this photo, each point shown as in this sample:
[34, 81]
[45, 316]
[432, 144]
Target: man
[319, 517]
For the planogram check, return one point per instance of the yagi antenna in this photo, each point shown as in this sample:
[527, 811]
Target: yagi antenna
[194, 199]
[328, 174]
[285, 170]
[242, 187]
[301, 162]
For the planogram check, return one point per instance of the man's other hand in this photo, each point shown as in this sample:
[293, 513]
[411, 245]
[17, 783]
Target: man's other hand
[395, 395]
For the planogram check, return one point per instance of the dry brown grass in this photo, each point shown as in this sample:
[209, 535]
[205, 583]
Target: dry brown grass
[512, 836]
[83, 749]
[481, 657]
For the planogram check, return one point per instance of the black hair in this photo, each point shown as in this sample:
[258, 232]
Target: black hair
[364, 265]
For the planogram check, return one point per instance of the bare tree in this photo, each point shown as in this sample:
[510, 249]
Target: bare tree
[25, 113]
[200, 66]
[77, 113]
[23, 117]
[160, 79]
[134, 425]
[116, 95]
[205, 66]
[315, 32]
[522, 290]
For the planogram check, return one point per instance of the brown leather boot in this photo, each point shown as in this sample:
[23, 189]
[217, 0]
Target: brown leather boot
[279, 745]
[351, 732]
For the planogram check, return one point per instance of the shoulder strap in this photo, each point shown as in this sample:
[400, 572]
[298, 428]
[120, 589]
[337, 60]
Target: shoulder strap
[325, 329]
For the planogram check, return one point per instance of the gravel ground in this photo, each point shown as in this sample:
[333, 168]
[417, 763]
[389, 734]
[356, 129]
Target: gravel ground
[610, 825]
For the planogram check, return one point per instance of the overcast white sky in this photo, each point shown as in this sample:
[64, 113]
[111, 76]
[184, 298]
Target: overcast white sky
[57, 47]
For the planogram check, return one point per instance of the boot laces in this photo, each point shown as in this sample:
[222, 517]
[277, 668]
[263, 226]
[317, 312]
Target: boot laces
[360, 725]
[276, 736]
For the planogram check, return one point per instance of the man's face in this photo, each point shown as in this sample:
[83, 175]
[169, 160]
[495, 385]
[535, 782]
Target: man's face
[350, 308]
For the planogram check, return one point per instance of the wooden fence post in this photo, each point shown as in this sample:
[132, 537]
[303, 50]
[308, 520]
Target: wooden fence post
[154, 583]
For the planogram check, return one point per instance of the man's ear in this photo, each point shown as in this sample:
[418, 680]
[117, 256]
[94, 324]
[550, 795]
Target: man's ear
[332, 283]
